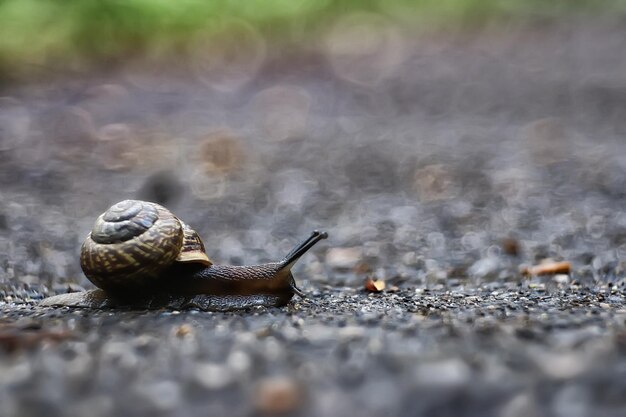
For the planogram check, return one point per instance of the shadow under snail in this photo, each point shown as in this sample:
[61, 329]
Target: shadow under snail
[140, 255]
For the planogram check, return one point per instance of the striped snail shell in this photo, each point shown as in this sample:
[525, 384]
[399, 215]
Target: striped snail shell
[134, 242]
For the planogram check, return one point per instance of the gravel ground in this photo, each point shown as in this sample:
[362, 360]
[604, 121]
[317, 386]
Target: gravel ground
[444, 171]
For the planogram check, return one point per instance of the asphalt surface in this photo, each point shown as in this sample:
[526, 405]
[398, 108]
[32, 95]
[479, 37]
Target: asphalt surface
[444, 172]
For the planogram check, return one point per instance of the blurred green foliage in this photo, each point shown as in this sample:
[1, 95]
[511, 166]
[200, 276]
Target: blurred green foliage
[45, 31]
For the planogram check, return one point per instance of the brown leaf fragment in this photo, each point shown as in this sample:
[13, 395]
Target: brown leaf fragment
[373, 285]
[548, 268]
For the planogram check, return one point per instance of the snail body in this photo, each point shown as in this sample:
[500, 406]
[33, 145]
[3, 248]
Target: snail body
[140, 255]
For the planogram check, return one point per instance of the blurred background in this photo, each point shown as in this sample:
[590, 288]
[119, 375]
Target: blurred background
[443, 144]
[421, 134]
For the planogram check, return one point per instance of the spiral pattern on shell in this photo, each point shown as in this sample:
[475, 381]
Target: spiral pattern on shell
[130, 245]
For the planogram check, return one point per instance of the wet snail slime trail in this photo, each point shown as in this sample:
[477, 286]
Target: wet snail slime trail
[140, 255]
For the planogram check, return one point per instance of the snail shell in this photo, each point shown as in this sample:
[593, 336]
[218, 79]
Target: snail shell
[134, 242]
[141, 255]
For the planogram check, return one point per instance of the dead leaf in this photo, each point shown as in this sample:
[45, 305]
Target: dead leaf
[372, 285]
[548, 268]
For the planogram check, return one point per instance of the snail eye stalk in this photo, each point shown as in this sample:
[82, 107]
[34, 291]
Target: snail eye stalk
[302, 248]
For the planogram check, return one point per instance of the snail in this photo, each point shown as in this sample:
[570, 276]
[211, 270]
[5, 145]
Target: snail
[140, 255]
